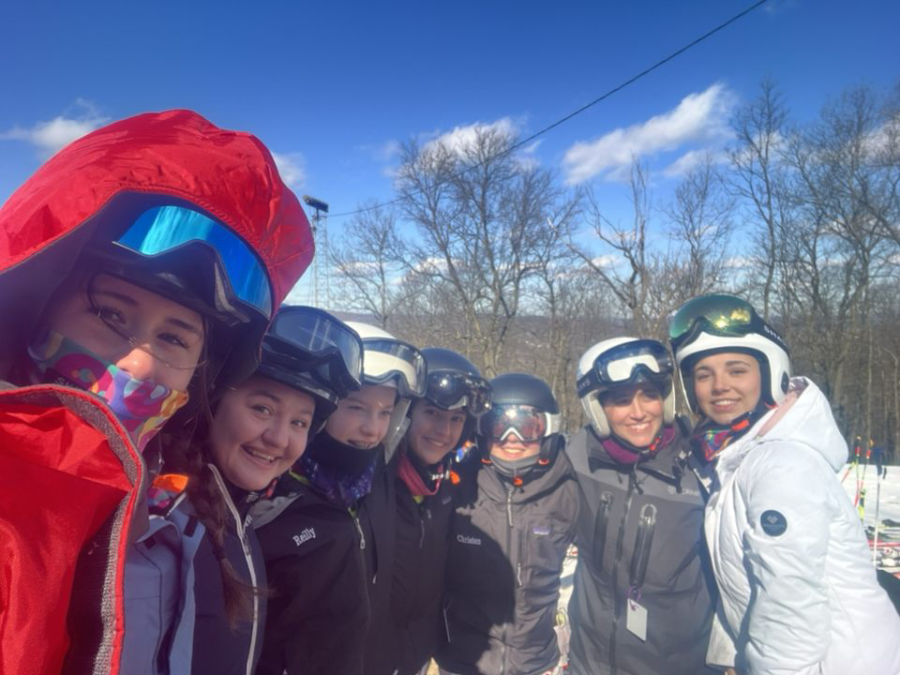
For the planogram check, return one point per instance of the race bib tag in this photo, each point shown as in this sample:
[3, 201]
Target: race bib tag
[636, 620]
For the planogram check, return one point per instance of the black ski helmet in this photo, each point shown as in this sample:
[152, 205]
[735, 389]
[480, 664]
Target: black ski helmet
[522, 389]
[454, 382]
[312, 351]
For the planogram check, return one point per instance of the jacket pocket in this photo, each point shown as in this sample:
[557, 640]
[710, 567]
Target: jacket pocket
[152, 580]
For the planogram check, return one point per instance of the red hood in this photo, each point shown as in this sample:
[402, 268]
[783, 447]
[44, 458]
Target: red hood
[230, 174]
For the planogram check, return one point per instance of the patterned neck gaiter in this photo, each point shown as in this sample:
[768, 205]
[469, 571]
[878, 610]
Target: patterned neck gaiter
[142, 406]
[712, 438]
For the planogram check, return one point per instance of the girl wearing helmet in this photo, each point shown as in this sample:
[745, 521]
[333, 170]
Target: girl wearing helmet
[440, 423]
[328, 537]
[200, 505]
[515, 520]
[131, 273]
[798, 588]
[643, 599]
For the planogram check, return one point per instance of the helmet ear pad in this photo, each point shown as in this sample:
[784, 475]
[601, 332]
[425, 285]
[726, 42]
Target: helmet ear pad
[397, 427]
[593, 409]
[597, 418]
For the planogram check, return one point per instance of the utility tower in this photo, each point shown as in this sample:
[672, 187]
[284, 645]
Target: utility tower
[320, 261]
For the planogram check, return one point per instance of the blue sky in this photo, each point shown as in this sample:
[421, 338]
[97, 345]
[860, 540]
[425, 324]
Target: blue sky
[332, 88]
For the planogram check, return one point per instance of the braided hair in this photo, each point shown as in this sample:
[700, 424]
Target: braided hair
[186, 449]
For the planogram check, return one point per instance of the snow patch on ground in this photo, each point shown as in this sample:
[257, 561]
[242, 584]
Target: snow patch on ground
[862, 476]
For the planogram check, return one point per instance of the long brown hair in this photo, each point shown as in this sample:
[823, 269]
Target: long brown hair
[186, 449]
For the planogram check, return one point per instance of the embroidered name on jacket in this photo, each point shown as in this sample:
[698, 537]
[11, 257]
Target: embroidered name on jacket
[304, 536]
[471, 541]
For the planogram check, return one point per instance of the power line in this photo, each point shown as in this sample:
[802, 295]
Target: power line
[580, 110]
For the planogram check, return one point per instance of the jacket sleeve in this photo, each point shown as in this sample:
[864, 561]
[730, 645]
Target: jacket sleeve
[318, 612]
[786, 538]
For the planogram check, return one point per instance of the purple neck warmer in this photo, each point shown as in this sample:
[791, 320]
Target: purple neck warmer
[627, 454]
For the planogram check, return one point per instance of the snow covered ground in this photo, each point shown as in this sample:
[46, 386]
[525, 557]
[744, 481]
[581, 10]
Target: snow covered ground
[868, 478]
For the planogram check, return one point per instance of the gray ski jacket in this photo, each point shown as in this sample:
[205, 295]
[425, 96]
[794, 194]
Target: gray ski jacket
[507, 549]
[640, 533]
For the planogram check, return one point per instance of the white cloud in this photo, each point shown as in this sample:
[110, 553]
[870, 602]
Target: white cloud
[692, 159]
[884, 142]
[738, 262]
[683, 165]
[525, 157]
[608, 260]
[430, 265]
[698, 118]
[52, 135]
[291, 168]
[386, 151]
[461, 138]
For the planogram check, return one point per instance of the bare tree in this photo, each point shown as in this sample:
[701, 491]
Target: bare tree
[368, 267]
[759, 179]
[625, 271]
[482, 223]
[701, 224]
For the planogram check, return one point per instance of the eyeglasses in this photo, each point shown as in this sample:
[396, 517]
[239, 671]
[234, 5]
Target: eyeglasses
[525, 421]
[626, 364]
[723, 315]
[164, 228]
[117, 339]
[451, 390]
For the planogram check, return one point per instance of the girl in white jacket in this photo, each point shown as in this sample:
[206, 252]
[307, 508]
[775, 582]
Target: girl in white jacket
[799, 593]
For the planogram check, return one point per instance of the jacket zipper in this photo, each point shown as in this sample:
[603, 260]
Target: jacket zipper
[601, 527]
[643, 542]
[248, 556]
[362, 537]
[620, 545]
[422, 526]
[509, 540]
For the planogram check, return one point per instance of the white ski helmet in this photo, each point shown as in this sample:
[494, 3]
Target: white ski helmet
[620, 362]
[716, 324]
[390, 362]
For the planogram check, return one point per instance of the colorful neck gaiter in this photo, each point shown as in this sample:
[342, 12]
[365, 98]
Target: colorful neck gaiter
[625, 453]
[142, 406]
[712, 438]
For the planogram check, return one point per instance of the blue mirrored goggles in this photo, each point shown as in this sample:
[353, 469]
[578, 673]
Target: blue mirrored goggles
[162, 229]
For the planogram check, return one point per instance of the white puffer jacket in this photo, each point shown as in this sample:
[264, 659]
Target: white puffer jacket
[799, 593]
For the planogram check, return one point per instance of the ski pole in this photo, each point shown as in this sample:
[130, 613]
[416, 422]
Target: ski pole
[877, 519]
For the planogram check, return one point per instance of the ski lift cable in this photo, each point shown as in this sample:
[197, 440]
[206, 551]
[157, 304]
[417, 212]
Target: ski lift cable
[578, 111]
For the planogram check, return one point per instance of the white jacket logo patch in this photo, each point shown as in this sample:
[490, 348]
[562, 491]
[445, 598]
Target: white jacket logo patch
[304, 536]
[472, 541]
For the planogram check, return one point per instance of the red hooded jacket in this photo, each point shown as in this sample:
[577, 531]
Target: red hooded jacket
[71, 482]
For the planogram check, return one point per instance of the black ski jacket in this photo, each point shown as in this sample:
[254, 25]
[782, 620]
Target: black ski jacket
[640, 529]
[379, 514]
[507, 550]
[415, 625]
[323, 564]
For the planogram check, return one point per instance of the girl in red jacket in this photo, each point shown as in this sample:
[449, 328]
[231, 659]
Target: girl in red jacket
[135, 265]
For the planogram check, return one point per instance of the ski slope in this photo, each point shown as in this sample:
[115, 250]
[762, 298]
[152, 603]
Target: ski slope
[868, 478]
